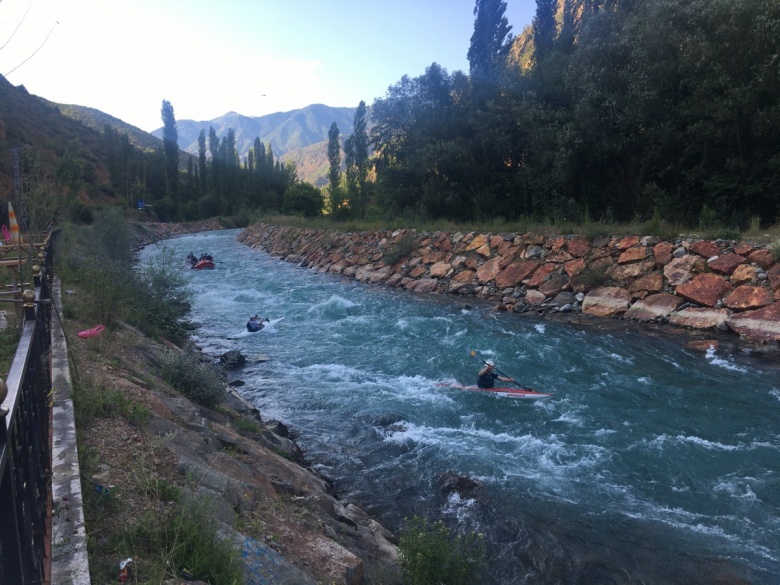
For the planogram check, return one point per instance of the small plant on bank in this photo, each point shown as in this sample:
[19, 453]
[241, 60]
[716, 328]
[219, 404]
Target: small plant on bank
[592, 277]
[401, 249]
[774, 248]
[182, 536]
[246, 426]
[200, 382]
[92, 400]
[431, 554]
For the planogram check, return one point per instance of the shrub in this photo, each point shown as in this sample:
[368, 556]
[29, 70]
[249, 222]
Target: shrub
[431, 555]
[401, 249]
[774, 247]
[198, 381]
[161, 298]
[592, 277]
[305, 199]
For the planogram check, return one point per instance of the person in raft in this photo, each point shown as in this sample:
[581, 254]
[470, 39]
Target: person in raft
[487, 376]
[255, 323]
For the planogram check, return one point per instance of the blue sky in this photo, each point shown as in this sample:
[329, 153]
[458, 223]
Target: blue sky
[209, 58]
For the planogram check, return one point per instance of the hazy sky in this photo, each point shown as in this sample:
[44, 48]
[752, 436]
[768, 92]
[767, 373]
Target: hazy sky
[253, 57]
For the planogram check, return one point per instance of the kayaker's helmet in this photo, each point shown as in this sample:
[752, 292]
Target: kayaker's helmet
[490, 363]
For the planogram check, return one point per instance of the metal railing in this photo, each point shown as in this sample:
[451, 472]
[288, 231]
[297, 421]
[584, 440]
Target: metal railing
[25, 452]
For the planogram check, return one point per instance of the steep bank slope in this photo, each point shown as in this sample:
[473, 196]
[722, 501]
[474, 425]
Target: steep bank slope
[718, 286]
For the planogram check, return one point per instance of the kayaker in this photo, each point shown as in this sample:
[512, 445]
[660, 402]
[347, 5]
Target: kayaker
[255, 323]
[487, 376]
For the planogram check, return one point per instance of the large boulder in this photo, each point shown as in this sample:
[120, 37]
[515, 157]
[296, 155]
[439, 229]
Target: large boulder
[232, 359]
[654, 306]
[705, 289]
[760, 325]
[606, 301]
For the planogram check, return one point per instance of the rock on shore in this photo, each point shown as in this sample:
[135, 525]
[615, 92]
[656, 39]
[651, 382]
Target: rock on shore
[694, 284]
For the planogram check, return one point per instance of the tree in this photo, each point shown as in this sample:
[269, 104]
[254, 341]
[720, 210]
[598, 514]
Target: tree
[202, 161]
[303, 198]
[490, 42]
[334, 160]
[545, 29]
[171, 149]
[360, 155]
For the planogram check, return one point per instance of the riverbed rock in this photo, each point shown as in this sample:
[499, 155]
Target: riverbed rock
[749, 297]
[762, 324]
[653, 307]
[699, 318]
[705, 289]
[681, 270]
[606, 301]
[727, 263]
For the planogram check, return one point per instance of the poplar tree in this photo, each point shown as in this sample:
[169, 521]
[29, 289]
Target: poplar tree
[334, 159]
[202, 160]
[490, 42]
[171, 149]
[545, 29]
[360, 155]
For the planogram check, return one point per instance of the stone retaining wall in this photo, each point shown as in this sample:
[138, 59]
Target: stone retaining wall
[697, 284]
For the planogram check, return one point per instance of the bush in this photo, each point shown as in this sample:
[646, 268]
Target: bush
[774, 247]
[431, 555]
[305, 199]
[161, 299]
[200, 382]
[401, 249]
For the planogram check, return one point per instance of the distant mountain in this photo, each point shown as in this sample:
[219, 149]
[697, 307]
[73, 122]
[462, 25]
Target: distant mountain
[98, 120]
[300, 135]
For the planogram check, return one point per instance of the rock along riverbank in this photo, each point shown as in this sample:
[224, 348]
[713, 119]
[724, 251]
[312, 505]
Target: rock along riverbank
[726, 288]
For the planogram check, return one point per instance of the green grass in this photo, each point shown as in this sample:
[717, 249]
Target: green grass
[653, 227]
[9, 339]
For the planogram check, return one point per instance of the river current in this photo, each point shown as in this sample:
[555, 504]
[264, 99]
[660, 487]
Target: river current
[649, 464]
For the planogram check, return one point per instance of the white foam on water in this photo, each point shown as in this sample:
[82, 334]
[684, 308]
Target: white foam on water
[604, 432]
[458, 507]
[660, 440]
[721, 362]
[540, 328]
[333, 304]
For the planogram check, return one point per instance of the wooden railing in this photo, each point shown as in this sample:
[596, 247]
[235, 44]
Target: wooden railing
[25, 414]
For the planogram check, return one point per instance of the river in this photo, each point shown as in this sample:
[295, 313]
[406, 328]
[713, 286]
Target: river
[649, 464]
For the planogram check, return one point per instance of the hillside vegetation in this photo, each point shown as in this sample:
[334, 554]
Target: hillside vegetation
[603, 112]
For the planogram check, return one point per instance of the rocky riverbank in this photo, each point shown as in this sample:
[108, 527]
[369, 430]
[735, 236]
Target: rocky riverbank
[727, 289]
[149, 446]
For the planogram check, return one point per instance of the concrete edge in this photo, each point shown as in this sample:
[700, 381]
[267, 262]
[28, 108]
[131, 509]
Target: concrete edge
[69, 565]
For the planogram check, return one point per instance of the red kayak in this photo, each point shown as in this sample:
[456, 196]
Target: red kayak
[516, 392]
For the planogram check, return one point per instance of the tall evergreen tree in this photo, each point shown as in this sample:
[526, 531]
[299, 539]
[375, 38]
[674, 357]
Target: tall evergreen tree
[360, 154]
[545, 29]
[202, 161]
[171, 149]
[334, 161]
[490, 42]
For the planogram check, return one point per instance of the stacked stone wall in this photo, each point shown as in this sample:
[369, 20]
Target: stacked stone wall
[697, 284]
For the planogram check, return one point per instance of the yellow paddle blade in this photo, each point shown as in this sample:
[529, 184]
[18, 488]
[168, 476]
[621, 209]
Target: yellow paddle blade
[473, 353]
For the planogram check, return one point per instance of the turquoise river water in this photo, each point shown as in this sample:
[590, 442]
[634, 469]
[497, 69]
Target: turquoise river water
[650, 464]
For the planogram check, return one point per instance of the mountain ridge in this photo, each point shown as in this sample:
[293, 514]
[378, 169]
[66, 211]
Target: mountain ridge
[296, 136]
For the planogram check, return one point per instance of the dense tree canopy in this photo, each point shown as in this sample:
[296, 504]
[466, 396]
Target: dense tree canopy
[631, 109]
[621, 110]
